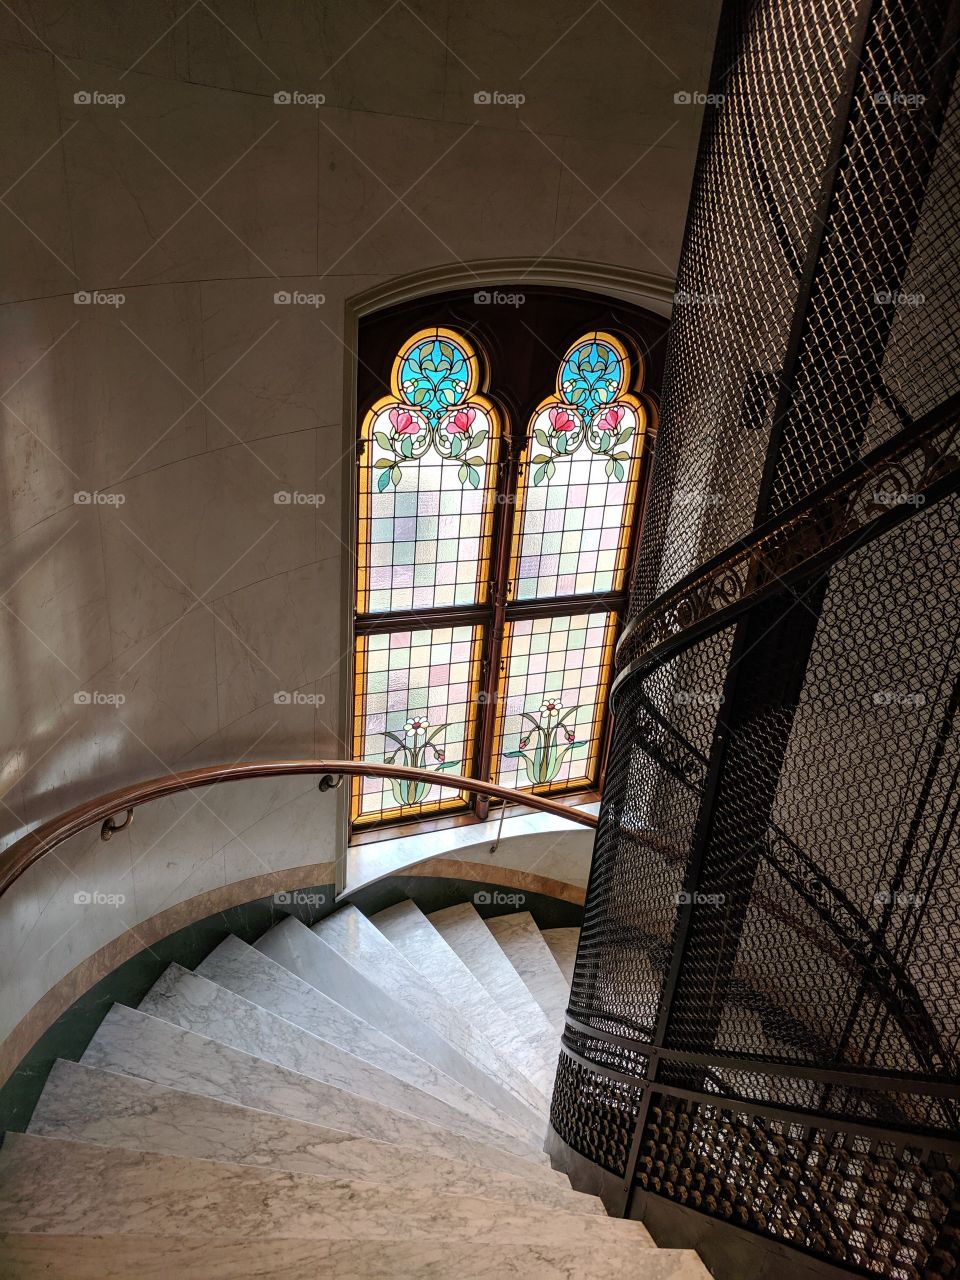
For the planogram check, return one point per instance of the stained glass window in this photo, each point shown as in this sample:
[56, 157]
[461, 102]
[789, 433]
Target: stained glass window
[471, 528]
[579, 487]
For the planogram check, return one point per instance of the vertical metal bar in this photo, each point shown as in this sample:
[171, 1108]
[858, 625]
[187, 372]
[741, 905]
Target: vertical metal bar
[507, 477]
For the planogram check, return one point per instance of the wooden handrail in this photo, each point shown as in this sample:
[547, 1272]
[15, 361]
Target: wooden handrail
[31, 847]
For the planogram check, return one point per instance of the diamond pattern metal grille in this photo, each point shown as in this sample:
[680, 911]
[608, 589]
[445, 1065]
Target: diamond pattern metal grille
[772, 920]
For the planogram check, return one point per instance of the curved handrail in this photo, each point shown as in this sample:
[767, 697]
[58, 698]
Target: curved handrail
[31, 847]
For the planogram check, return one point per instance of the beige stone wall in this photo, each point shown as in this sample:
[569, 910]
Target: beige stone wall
[198, 398]
[151, 630]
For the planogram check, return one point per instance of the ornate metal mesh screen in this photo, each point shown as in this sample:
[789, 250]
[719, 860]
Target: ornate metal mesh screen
[764, 1022]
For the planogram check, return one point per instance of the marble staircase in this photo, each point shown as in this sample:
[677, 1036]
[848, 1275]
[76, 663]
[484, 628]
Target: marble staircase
[365, 1098]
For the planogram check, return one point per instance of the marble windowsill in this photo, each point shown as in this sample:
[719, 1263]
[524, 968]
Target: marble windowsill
[534, 843]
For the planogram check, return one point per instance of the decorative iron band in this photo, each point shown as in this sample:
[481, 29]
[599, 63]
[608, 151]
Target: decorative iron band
[882, 1208]
[919, 465]
[881, 1108]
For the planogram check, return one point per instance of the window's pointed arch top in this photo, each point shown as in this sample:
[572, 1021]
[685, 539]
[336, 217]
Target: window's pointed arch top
[594, 373]
[436, 371]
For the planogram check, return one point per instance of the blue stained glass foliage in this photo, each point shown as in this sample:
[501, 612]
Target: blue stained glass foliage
[591, 377]
[434, 376]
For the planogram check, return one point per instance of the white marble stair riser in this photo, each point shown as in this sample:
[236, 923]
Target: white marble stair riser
[227, 1258]
[138, 1044]
[298, 949]
[563, 943]
[197, 1004]
[86, 1104]
[55, 1185]
[251, 974]
[524, 947]
[418, 941]
[364, 946]
[464, 929]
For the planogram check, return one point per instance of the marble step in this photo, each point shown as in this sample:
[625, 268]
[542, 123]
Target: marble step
[86, 1104]
[361, 943]
[251, 974]
[464, 929]
[138, 1044]
[563, 945]
[225, 1257]
[305, 954]
[524, 947]
[418, 941]
[197, 1004]
[57, 1186]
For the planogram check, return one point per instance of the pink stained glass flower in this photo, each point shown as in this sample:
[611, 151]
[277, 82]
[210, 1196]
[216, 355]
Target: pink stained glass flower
[560, 420]
[610, 420]
[404, 423]
[461, 421]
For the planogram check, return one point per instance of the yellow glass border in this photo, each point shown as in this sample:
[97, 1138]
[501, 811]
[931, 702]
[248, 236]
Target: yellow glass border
[634, 373]
[477, 367]
[591, 772]
[448, 800]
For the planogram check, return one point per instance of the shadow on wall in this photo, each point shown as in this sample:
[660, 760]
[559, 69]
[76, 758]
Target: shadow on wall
[187, 222]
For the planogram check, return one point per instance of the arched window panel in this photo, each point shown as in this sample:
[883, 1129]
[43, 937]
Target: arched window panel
[416, 701]
[580, 483]
[554, 688]
[427, 480]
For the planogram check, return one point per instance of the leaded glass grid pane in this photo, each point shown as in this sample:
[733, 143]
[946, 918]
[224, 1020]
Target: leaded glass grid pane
[416, 703]
[553, 694]
[574, 532]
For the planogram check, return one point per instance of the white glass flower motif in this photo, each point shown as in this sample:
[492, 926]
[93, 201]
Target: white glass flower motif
[415, 724]
[551, 704]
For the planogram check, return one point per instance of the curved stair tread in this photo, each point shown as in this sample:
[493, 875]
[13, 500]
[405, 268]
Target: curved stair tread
[197, 1004]
[108, 1109]
[523, 944]
[563, 943]
[360, 942]
[425, 948]
[466, 932]
[252, 974]
[55, 1185]
[308, 956]
[37, 1257]
[139, 1044]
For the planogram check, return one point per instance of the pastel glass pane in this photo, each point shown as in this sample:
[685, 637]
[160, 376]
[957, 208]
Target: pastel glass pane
[415, 706]
[552, 702]
[426, 476]
[579, 486]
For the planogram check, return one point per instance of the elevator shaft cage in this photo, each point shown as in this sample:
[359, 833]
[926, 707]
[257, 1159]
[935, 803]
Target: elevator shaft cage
[764, 1020]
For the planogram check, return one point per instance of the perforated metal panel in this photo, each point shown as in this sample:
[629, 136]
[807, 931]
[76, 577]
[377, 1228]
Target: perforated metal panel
[765, 1009]
[779, 72]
